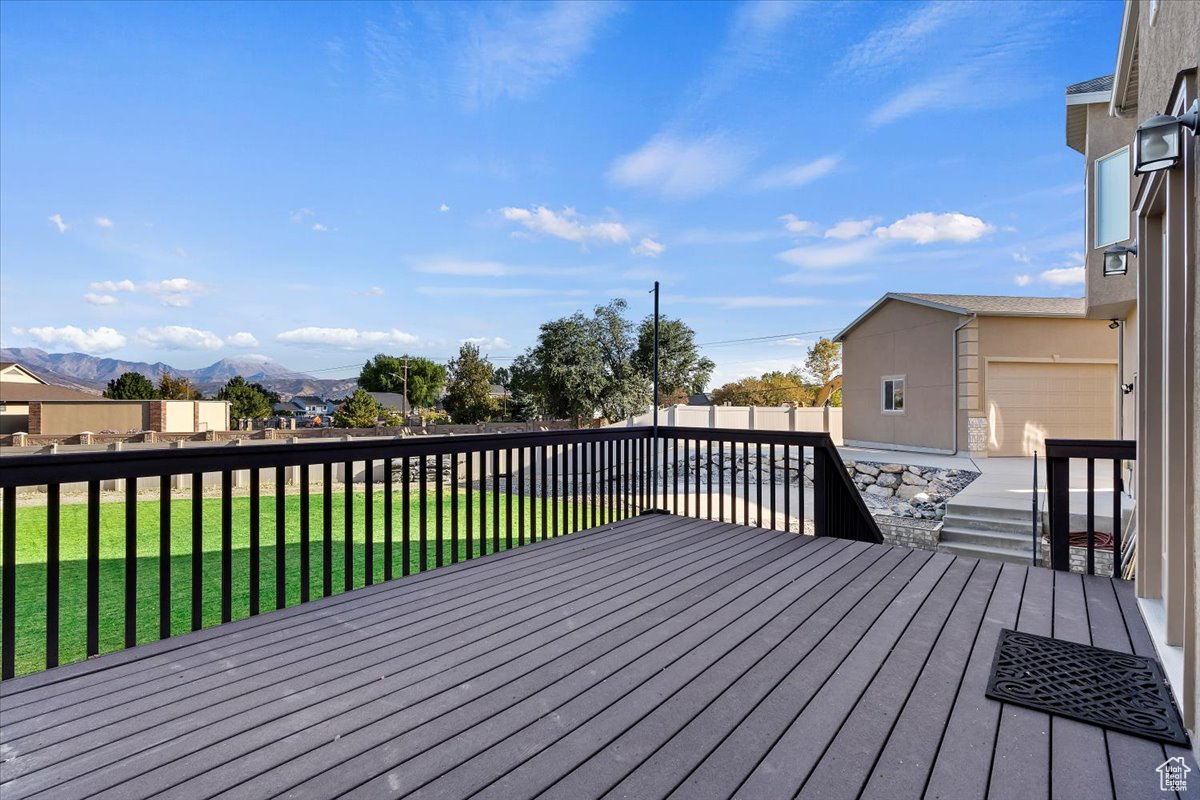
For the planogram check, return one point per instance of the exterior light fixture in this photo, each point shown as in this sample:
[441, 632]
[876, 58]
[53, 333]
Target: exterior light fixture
[1113, 324]
[1116, 258]
[1158, 144]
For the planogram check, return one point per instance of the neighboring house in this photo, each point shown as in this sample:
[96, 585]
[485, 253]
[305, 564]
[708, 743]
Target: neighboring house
[1156, 300]
[990, 375]
[392, 401]
[19, 387]
[310, 405]
[700, 399]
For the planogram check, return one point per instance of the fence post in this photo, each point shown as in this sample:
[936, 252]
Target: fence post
[752, 422]
[792, 419]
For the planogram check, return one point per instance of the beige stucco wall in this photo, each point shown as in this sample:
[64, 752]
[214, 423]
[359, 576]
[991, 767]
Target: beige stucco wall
[1108, 297]
[213, 415]
[179, 416]
[114, 415]
[901, 339]
[1044, 339]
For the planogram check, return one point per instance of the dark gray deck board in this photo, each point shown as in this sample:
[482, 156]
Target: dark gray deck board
[657, 657]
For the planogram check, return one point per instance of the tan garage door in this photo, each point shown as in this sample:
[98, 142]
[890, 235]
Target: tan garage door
[1029, 402]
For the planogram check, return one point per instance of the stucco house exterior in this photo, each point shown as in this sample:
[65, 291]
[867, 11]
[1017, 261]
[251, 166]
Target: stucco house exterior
[988, 375]
[20, 386]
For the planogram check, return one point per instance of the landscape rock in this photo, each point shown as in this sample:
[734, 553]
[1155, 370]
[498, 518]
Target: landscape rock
[911, 493]
[913, 479]
[895, 468]
[888, 479]
[879, 490]
[866, 469]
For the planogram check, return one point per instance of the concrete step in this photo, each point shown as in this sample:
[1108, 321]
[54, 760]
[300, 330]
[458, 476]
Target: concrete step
[1008, 513]
[984, 551]
[1003, 539]
[983, 522]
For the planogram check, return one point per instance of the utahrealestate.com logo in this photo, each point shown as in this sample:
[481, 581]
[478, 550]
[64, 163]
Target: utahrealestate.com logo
[1172, 775]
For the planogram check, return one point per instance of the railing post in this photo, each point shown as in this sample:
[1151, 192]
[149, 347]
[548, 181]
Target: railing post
[1058, 480]
[820, 492]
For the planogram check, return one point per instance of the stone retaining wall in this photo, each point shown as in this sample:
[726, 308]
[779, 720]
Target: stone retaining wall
[920, 534]
[1104, 560]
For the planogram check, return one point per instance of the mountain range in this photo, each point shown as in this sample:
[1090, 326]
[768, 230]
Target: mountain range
[91, 373]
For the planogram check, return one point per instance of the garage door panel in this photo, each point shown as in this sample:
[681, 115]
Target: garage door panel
[1030, 402]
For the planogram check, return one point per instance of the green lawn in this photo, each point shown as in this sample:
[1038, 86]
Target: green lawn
[31, 561]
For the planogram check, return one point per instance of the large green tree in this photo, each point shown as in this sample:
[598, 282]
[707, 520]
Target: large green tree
[360, 410]
[681, 368]
[469, 387]
[770, 389]
[130, 386]
[824, 361]
[385, 373]
[246, 400]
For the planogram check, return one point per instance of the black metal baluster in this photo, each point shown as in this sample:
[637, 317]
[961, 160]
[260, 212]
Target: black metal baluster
[800, 483]
[758, 483]
[327, 533]
[821, 471]
[520, 493]
[405, 536]
[1091, 516]
[787, 488]
[1118, 488]
[305, 536]
[93, 568]
[131, 561]
[164, 556]
[708, 474]
[495, 501]
[542, 494]
[423, 517]
[8, 602]
[675, 474]
[368, 522]
[533, 494]
[746, 483]
[439, 533]
[454, 508]
[508, 499]
[197, 551]
[696, 445]
[255, 533]
[53, 527]
[280, 537]
[721, 475]
[389, 549]
[470, 505]
[591, 483]
[555, 457]
[575, 457]
[226, 545]
[348, 526]
[774, 525]
[665, 475]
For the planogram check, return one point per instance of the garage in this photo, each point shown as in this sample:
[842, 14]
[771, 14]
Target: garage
[1030, 401]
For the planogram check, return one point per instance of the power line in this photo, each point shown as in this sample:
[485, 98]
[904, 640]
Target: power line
[764, 338]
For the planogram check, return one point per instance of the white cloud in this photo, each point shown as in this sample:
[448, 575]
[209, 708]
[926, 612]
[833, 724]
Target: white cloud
[179, 337]
[104, 222]
[58, 223]
[926, 228]
[345, 338]
[376, 291]
[793, 341]
[92, 340]
[242, 339]
[319, 227]
[850, 229]
[677, 168]
[125, 285]
[1064, 276]
[567, 225]
[179, 251]
[486, 343]
[796, 225]
[893, 44]
[828, 256]
[1021, 258]
[174, 292]
[649, 248]
[798, 175]
[1022, 280]
[300, 214]
[443, 208]
[99, 299]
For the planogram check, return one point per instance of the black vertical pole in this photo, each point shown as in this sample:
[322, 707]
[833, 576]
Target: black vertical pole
[654, 439]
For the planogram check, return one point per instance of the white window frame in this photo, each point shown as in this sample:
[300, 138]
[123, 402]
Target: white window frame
[883, 409]
[1096, 199]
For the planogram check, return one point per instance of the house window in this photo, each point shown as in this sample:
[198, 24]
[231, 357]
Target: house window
[893, 394]
[1112, 198]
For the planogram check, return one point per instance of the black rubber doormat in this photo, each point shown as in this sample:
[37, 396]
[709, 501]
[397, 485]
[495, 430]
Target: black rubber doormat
[1114, 690]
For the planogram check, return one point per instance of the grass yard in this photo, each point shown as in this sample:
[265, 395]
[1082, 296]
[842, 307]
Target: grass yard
[31, 560]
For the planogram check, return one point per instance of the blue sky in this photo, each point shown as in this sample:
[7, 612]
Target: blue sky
[320, 182]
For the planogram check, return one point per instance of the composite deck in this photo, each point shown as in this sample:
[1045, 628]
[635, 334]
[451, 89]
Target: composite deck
[657, 657]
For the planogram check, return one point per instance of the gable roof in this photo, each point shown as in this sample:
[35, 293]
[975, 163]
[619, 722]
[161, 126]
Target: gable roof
[30, 392]
[307, 400]
[983, 305]
[4, 365]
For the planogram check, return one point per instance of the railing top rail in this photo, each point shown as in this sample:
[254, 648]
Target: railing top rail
[1123, 449]
[39, 469]
[794, 438]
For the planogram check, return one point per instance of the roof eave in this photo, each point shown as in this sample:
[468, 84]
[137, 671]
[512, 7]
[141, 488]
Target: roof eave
[917, 301]
[1126, 58]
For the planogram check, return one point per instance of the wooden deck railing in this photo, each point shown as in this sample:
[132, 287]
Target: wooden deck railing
[102, 551]
[1059, 453]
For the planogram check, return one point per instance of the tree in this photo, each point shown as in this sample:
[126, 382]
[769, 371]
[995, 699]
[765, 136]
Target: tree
[360, 410]
[385, 373]
[771, 389]
[130, 386]
[681, 369]
[501, 376]
[626, 390]
[246, 400]
[469, 387]
[171, 387]
[525, 402]
[824, 361]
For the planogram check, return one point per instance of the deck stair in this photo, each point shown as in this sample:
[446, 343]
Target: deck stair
[996, 533]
